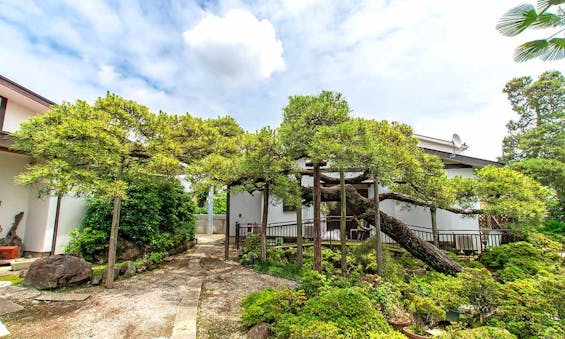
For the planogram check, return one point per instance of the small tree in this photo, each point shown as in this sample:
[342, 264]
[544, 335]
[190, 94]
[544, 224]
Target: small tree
[87, 148]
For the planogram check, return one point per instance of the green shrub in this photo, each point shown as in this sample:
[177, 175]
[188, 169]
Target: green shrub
[313, 282]
[251, 244]
[346, 309]
[484, 332]
[387, 335]
[270, 304]
[156, 216]
[87, 241]
[533, 307]
[522, 259]
[553, 227]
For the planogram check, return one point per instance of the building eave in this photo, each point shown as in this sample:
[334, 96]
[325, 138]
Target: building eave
[25, 92]
[450, 158]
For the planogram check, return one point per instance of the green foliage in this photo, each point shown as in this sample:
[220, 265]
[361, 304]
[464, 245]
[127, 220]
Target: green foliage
[87, 241]
[270, 304]
[157, 216]
[526, 17]
[425, 308]
[482, 332]
[521, 260]
[533, 307]
[313, 282]
[346, 309]
[536, 141]
[251, 244]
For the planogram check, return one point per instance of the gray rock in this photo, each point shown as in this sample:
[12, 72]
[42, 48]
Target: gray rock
[95, 281]
[7, 306]
[259, 331]
[127, 270]
[57, 271]
[105, 273]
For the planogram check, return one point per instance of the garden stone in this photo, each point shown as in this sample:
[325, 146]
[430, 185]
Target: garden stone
[259, 331]
[250, 259]
[95, 281]
[127, 270]
[116, 273]
[57, 271]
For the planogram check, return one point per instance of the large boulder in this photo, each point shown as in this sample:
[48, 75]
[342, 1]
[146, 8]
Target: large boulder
[57, 271]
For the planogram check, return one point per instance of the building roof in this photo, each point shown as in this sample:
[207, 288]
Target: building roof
[25, 92]
[452, 160]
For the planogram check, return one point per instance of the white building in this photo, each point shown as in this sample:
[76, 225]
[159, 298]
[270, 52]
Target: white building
[36, 228]
[246, 209]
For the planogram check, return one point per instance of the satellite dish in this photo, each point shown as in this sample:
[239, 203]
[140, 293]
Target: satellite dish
[456, 141]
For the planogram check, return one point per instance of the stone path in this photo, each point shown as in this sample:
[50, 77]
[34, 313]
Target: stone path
[187, 313]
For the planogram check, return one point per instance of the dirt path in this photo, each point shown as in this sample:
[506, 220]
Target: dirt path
[145, 305]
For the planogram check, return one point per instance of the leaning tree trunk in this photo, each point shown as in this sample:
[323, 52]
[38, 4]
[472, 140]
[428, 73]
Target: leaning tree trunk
[264, 222]
[396, 229]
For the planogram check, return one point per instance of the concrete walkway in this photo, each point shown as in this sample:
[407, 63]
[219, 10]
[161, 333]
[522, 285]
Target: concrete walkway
[187, 312]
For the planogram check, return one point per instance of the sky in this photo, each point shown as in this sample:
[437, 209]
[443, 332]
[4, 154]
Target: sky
[437, 65]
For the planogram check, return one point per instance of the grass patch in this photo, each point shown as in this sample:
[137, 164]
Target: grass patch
[15, 279]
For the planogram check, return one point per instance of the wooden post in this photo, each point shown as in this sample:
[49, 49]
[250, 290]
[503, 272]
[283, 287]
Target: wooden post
[227, 241]
[317, 220]
[434, 227]
[56, 224]
[299, 246]
[264, 222]
[379, 246]
[114, 234]
[342, 223]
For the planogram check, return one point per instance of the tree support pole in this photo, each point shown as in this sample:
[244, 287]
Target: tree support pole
[227, 240]
[342, 223]
[114, 234]
[56, 224]
[435, 235]
[299, 240]
[378, 237]
[264, 222]
[317, 220]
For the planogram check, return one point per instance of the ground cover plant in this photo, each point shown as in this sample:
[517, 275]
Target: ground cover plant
[516, 290]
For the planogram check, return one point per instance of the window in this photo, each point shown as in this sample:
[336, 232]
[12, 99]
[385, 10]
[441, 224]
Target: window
[3, 103]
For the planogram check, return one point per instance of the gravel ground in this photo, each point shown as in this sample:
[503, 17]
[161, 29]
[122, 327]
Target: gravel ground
[145, 305]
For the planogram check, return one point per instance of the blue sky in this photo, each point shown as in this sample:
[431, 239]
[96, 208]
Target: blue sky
[438, 65]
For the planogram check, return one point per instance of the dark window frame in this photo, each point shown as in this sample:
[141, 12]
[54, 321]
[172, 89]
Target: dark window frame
[3, 105]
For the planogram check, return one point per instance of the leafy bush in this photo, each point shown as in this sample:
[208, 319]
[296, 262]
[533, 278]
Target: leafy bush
[479, 333]
[553, 227]
[313, 282]
[533, 307]
[86, 242]
[156, 216]
[346, 309]
[522, 259]
[270, 304]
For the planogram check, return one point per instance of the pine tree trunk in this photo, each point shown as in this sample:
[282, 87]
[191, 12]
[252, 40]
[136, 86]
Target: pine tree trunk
[264, 222]
[114, 234]
[342, 223]
[317, 220]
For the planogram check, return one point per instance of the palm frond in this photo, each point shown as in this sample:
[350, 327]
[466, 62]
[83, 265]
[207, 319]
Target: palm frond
[530, 50]
[516, 20]
[546, 20]
[555, 50]
[544, 4]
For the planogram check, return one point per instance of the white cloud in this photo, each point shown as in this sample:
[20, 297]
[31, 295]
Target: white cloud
[237, 46]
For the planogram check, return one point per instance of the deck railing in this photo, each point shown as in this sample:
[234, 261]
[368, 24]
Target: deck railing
[461, 241]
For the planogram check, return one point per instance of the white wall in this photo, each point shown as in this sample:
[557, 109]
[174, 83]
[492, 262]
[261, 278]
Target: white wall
[38, 220]
[13, 197]
[15, 115]
[72, 211]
